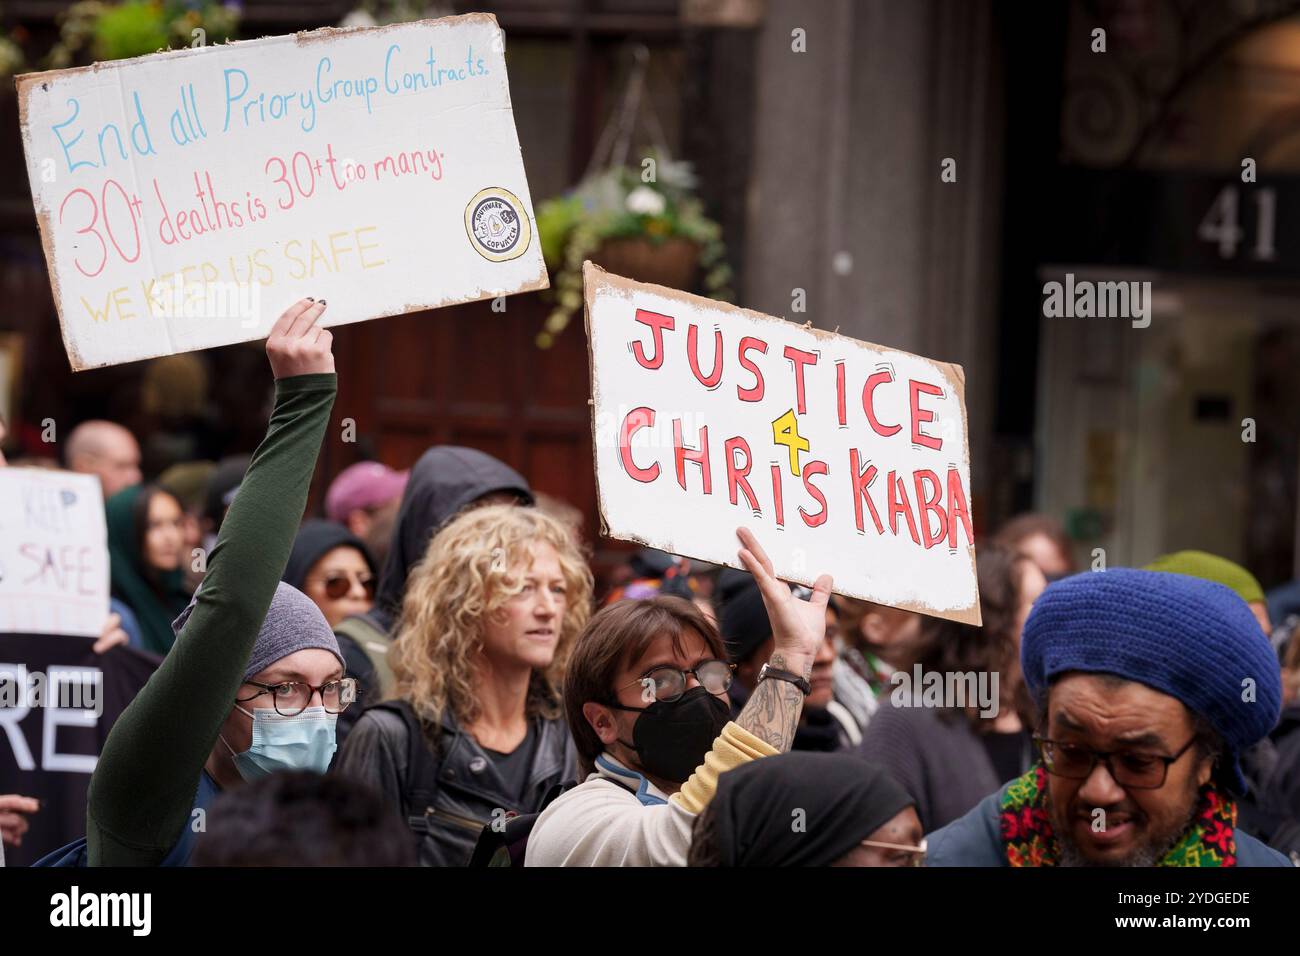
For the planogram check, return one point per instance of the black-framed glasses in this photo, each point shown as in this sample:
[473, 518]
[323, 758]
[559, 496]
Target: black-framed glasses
[338, 584]
[666, 683]
[1132, 769]
[291, 698]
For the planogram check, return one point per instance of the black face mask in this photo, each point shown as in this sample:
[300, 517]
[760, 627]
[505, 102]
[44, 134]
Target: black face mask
[671, 739]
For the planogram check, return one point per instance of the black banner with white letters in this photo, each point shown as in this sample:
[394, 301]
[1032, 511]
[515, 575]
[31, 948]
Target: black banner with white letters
[58, 701]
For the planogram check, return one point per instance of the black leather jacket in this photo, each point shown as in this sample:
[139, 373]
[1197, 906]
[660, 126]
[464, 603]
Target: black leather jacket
[445, 786]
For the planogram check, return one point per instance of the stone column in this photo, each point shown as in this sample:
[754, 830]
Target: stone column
[846, 200]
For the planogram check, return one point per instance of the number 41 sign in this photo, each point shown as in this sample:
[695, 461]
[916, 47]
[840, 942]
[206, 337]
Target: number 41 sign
[1221, 224]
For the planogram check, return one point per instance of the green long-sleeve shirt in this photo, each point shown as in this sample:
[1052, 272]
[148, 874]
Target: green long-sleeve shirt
[144, 784]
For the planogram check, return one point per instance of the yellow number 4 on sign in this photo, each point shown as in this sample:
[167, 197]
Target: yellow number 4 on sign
[785, 431]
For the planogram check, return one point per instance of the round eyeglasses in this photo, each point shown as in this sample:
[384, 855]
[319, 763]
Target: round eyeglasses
[666, 683]
[291, 698]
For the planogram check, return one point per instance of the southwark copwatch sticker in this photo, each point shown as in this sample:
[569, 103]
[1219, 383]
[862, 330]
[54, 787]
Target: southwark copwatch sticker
[497, 225]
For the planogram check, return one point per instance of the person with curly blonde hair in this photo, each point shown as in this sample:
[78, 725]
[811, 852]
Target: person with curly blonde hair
[445, 481]
[475, 733]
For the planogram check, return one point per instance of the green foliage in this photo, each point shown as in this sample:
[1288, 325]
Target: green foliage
[131, 29]
[11, 56]
[100, 31]
[617, 203]
[381, 12]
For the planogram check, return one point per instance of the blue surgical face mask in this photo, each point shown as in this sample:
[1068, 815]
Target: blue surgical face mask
[304, 742]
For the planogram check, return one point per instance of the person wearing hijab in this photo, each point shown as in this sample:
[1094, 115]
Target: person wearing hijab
[145, 553]
[333, 567]
[1149, 687]
[254, 682]
[188, 481]
[808, 809]
[444, 482]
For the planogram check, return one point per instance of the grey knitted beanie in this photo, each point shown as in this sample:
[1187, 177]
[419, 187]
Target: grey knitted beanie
[292, 623]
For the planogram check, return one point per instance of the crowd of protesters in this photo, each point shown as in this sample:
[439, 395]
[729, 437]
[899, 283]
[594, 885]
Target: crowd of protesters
[427, 676]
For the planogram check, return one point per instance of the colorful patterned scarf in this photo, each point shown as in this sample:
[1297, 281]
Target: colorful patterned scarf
[1028, 840]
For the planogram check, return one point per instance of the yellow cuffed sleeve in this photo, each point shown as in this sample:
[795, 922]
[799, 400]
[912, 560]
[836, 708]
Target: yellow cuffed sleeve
[734, 746]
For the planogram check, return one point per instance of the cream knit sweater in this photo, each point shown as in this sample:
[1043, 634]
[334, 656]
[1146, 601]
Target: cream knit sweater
[602, 823]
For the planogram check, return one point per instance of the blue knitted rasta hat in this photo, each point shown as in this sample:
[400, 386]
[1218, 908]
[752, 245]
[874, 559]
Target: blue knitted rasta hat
[1189, 638]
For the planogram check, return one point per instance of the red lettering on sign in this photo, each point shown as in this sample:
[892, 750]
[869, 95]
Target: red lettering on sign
[922, 415]
[682, 454]
[693, 356]
[811, 468]
[928, 502]
[754, 394]
[861, 479]
[778, 498]
[868, 403]
[636, 419]
[841, 410]
[737, 477]
[800, 358]
[899, 504]
[657, 323]
[957, 509]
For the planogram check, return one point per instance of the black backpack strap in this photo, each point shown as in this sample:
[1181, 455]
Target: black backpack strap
[505, 845]
[557, 791]
[422, 765]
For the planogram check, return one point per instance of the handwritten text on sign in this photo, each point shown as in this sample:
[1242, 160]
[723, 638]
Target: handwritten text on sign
[844, 457]
[186, 198]
[53, 553]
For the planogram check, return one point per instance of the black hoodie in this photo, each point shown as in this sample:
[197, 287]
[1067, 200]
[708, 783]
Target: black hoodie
[445, 480]
[316, 538]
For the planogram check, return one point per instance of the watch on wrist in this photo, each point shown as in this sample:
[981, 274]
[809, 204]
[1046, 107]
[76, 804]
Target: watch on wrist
[776, 673]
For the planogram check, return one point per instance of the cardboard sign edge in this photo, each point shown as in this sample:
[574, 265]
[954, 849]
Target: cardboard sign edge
[24, 83]
[592, 274]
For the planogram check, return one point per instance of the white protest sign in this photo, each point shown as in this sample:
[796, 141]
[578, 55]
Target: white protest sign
[53, 553]
[185, 199]
[843, 457]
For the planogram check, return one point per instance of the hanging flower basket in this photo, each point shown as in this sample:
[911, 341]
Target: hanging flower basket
[649, 231]
[637, 216]
[671, 262]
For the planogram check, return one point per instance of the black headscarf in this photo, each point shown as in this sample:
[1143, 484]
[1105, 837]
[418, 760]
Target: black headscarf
[443, 481]
[315, 539]
[844, 800]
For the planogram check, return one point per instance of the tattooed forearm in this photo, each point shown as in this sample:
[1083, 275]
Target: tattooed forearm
[772, 711]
